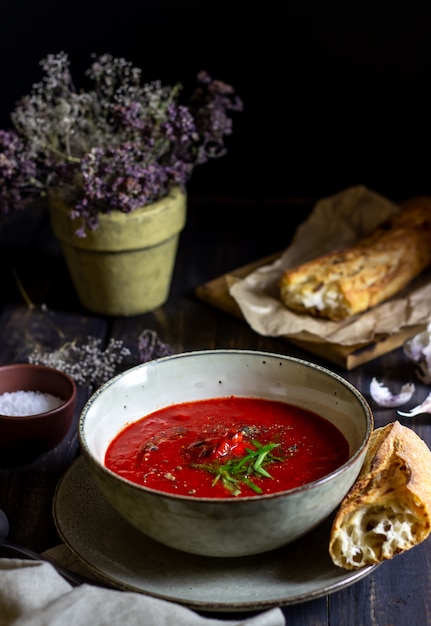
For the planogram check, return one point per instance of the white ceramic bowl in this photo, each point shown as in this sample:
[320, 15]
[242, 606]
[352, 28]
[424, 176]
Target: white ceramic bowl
[229, 526]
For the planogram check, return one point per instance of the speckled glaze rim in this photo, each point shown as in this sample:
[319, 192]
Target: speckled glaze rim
[220, 352]
[122, 556]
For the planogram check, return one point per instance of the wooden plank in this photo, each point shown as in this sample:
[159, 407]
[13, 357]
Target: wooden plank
[216, 293]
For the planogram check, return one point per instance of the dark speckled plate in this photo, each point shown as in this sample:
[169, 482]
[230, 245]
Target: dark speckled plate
[123, 556]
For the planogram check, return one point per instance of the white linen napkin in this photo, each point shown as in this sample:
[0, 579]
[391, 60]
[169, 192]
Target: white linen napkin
[32, 593]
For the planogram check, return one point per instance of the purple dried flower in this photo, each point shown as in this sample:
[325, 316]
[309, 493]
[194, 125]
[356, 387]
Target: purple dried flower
[18, 184]
[115, 147]
[150, 346]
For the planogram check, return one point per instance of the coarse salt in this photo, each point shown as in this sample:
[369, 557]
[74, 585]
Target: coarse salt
[21, 403]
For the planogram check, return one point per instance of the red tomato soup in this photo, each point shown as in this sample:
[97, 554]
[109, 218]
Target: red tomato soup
[227, 447]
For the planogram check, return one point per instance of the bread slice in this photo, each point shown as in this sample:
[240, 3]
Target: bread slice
[343, 283]
[388, 509]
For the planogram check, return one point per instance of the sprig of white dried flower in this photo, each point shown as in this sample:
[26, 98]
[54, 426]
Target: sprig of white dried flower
[150, 346]
[87, 363]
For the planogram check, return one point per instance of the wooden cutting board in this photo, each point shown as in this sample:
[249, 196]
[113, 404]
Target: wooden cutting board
[216, 293]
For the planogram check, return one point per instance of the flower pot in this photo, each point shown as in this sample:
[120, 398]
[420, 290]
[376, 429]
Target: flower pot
[125, 266]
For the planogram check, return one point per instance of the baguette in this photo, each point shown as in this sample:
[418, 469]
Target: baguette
[388, 509]
[343, 283]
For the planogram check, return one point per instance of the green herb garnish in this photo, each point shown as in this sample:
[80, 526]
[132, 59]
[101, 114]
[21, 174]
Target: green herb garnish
[237, 471]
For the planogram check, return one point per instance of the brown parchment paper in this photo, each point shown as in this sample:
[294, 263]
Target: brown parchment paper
[335, 222]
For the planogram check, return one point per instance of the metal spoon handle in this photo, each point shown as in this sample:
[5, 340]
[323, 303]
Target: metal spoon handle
[72, 577]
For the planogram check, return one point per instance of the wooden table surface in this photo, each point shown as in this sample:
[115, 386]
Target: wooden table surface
[221, 234]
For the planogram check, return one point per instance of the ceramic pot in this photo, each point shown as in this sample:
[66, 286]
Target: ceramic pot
[125, 266]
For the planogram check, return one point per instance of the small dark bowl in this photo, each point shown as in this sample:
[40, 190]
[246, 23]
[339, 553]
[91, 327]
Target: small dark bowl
[35, 434]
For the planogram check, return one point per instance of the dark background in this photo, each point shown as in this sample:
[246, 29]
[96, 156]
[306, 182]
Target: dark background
[335, 93]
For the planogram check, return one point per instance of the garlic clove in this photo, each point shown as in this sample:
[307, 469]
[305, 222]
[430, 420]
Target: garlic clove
[383, 396]
[424, 407]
